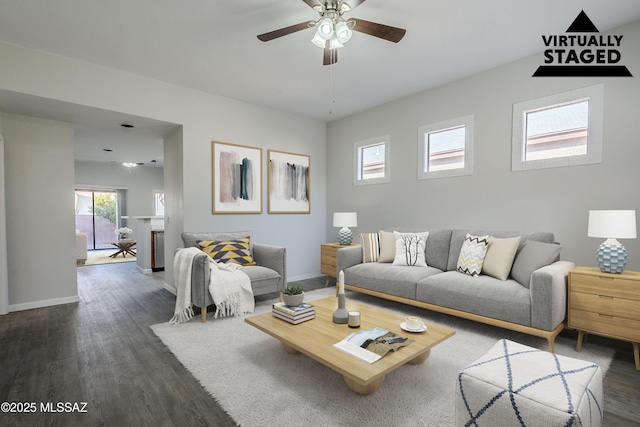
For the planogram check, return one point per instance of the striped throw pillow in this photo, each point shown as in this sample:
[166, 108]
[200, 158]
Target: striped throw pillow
[370, 247]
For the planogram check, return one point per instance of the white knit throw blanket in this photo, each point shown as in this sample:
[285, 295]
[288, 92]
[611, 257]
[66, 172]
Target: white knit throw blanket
[182, 262]
[230, 289]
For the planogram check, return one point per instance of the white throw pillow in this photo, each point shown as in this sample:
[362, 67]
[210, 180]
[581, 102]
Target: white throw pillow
[472, 254]
[500, 256]
[410, 248]
[387, 247]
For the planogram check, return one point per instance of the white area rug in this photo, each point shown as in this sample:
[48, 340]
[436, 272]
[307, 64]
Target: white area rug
[258, 383]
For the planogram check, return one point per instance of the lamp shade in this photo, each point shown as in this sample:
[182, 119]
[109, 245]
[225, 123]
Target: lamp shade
[612, 224]
[345, 219]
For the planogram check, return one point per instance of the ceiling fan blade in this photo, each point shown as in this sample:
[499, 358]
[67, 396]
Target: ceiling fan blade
[386, 32]
[353, 3]
[330, 56]
[284, 31]
[313, 3]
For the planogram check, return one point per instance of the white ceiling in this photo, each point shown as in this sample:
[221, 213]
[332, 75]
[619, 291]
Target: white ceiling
[211, 45]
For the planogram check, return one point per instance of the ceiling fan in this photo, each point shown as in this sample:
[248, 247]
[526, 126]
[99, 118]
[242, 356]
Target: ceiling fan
[332, 30]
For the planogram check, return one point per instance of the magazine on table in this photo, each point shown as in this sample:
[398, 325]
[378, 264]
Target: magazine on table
[371, 345]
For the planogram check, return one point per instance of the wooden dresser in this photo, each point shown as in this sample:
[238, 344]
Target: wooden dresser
[328, 254]
[605, 304]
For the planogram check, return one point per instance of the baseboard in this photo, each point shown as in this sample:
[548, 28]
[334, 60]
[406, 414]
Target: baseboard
[144, 270]
[43, 303]
[170, 289]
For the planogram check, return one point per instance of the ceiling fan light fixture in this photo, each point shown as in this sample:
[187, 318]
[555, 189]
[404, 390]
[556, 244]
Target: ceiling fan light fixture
[129, 165]
[325, 28]
[343, 32]
[318, 41]
[334, 43]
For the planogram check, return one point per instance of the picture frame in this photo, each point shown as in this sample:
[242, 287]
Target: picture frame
[289, 181]
[236, 178]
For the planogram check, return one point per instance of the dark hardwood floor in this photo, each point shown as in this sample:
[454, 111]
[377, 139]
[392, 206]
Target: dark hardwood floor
[102, 352]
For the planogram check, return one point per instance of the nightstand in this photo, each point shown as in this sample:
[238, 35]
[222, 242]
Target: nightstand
[605, 304]
[328, 254]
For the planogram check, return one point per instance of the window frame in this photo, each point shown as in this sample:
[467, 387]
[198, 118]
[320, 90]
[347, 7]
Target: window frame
[357, 160]
[593, 94]
[423, 141]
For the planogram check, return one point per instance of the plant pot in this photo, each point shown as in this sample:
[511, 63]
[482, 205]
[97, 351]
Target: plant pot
[293, 300]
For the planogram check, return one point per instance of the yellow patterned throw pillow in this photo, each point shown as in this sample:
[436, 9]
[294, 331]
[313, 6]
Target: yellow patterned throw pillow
[236, 251]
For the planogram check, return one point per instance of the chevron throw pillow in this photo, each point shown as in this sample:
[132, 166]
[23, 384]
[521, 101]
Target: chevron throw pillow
[472, 254]
[236, 251]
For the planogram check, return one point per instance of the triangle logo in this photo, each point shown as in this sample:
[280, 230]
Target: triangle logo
[582, 24]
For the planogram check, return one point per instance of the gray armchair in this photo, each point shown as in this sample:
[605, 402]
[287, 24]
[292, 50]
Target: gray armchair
[269, 275]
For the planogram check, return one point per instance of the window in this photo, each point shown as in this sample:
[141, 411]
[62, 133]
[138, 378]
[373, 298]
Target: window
[557, 131]
[371, 158]
[446, 148]
[158, 202]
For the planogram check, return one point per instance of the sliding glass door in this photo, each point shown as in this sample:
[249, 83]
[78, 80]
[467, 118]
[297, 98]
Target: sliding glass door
[97, 216]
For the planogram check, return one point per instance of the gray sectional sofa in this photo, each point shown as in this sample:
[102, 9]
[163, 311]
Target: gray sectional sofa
[534, 304]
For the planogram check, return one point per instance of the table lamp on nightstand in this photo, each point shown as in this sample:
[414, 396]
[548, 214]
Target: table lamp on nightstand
[612, 225]
[345, 220]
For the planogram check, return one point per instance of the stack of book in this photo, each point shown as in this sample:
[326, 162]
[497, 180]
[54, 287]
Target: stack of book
[293, 315]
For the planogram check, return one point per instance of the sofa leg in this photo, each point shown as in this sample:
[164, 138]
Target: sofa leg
[203, 314]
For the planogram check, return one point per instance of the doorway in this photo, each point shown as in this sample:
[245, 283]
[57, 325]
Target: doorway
[97, 216]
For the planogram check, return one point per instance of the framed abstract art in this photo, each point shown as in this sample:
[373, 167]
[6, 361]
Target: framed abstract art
[289, 182]
[237, 178]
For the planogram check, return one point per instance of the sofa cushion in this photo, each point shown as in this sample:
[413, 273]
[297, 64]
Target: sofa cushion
[410, 249]
[370, 247]
[387, 246]
[500, 256]
[228, 251]
[531, 257]
[261, 277]
[387, 278]
[472, 254]
[457, 238]
[483, 295]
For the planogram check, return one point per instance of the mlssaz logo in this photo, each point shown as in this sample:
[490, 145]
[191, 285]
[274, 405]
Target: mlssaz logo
[582, 52]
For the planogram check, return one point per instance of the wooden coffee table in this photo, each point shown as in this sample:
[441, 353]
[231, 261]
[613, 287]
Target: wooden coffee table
[125, 246]
[316, 338]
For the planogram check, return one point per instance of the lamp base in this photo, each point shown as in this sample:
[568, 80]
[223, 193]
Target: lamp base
[611, 256]
[345, 237]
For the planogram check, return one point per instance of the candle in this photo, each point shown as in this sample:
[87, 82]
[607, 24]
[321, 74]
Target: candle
[341, 282]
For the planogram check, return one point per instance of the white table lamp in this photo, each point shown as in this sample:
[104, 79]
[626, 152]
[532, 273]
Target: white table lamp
[345, 220]
[612, 225]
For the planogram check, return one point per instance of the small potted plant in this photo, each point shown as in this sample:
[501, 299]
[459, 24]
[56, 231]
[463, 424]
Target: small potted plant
[293, 295]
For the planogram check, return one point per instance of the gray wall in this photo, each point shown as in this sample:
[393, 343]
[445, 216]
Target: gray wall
[40, 206]
[556, 200]
[139, 182]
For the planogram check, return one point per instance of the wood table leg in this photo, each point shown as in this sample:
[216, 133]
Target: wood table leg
[289, 349]
[363, 389]
[581, 335]
[420, 358]
[636, 355]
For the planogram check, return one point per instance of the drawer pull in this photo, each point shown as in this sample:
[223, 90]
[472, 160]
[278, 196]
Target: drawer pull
[605, 315]
[606, 296]
[606, 278]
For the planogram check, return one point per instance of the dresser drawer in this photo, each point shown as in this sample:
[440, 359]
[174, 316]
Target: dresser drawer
[603, 304]
[612, 326]
[605, 285]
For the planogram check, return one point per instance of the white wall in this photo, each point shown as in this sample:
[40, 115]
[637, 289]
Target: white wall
[139, 182]
[204, 118]
[40, 207]
[556, 200]
[4, 281]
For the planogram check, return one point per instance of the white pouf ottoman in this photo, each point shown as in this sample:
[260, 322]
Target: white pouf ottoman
[517, 385]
